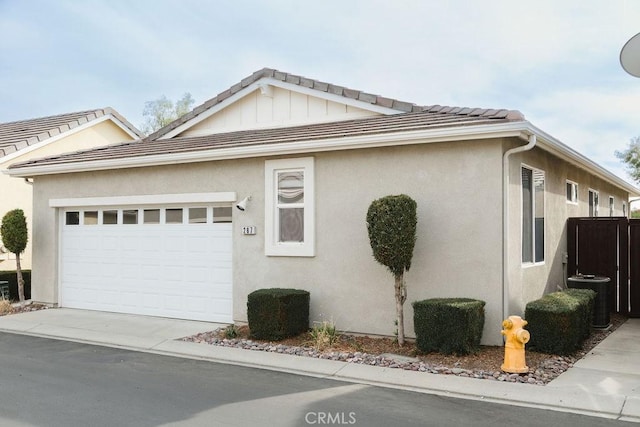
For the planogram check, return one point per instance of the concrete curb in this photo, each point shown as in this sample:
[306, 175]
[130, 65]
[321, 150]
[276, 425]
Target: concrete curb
[612, 406]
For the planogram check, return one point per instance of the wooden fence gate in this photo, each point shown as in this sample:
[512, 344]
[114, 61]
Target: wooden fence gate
[608, 247]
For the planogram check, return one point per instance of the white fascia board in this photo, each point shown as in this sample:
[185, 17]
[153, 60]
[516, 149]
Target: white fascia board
[152, 199]
[556, 147]
[446, 134]
[283, 85]
[122, 126]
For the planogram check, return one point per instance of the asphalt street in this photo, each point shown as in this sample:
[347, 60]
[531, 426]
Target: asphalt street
[58, 383]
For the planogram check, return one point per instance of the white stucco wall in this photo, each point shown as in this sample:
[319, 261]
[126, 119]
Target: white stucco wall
[529, 282]
[15, 193]
[457, 187]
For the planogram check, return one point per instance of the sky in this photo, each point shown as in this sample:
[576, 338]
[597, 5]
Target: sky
[555, 61]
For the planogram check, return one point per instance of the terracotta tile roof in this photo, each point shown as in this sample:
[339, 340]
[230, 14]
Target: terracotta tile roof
[435, 117]
[400, 106]
[15, 136]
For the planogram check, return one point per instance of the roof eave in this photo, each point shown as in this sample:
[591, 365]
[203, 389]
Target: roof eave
[555, 146]
[124, 124]
[521, 129]
[108, 113]
[443, 134]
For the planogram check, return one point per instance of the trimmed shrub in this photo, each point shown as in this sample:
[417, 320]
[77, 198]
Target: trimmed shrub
[391, 224]
[560, 321]
[14, 235]
[12, 278]
[448, 325]
[587, 299]
[276, 314]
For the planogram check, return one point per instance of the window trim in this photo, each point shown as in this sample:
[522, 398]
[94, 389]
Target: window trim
[574, 195]
[596, 203]
[533, 262]
[294, 249]
[612, 203]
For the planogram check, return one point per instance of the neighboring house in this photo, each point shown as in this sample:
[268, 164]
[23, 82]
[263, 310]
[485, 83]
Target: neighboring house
[45, 137]
[150, 226]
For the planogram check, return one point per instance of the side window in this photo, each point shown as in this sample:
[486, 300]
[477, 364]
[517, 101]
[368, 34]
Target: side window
[593, 203]
[611, 205]
[572, 192]
[289, 207]
[532, 215]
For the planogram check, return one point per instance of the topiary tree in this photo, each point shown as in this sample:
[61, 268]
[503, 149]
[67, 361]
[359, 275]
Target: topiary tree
[391, 222]
[13, 232]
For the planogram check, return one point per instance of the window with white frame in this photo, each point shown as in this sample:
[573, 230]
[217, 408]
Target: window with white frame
[593, 203]
[289, 207]
[532, 215]
[572, 192]
[611, 205]
[133, 215]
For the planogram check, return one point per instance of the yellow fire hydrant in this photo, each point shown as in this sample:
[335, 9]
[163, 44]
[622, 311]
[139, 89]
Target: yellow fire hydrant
[515, 339]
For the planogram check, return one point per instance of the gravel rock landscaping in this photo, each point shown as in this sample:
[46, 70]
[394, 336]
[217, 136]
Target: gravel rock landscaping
[485, 364]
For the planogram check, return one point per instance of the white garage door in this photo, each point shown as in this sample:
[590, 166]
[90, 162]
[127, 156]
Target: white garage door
[160, 261]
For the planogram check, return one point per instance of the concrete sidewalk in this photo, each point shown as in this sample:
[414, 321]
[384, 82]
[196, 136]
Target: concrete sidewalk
[605, 383]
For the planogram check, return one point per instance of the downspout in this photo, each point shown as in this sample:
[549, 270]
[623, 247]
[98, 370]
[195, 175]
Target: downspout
[505, 220]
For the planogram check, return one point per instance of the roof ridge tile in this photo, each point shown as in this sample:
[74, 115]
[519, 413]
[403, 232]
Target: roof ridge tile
[347, 93]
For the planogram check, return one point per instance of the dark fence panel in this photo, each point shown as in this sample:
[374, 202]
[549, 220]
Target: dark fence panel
[634, 267]
[601, 246]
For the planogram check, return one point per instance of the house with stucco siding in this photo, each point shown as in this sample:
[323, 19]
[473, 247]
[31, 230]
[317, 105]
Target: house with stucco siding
[151, 226]
[23, 140]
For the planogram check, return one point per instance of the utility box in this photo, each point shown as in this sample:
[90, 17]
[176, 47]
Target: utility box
[601, 285]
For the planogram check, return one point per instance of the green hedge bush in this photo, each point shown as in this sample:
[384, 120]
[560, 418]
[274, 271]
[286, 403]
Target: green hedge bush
[448, 325]
[276, 313]
[10, 276]
[560, 321]
[587, 299]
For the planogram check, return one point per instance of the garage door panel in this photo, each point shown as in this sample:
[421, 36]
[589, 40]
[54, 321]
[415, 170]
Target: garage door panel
[197, 275]
[130, 270]
[221, 276]
[108, 243]
[198, 244]
[171, 270]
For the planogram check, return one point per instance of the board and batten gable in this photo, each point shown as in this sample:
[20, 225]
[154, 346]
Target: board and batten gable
[456, 186]
[529, 281]
[275, 107]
